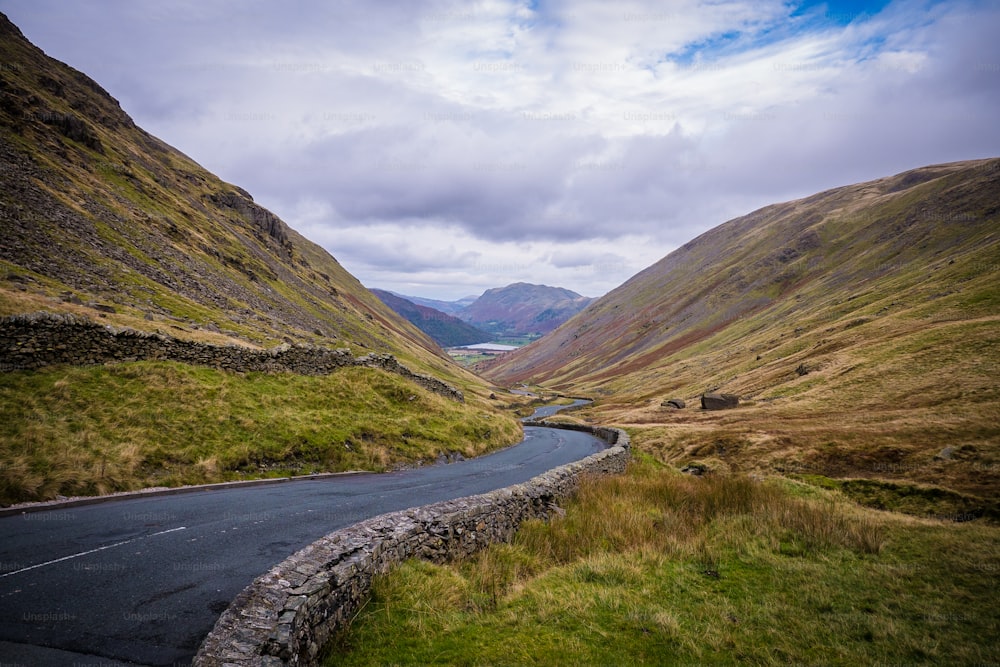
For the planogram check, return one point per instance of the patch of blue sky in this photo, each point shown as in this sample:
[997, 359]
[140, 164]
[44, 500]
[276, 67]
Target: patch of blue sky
[838, 12]
[803, 17]
[544, 16]
[712, 48]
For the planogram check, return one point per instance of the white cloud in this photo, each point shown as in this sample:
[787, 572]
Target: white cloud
[442, 148]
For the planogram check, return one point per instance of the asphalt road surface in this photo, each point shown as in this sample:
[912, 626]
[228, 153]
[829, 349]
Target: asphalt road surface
[142, 581]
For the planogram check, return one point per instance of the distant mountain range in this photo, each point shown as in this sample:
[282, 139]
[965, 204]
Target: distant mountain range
[524, 309]
[517, 310]
[446, 330]
[449, 307]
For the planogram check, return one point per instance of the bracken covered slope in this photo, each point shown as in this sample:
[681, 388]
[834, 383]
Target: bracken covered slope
[870, 312]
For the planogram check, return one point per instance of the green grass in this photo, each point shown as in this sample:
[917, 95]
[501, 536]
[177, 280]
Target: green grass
[918, 500]
[87, 430]
[519, 341]
[468, 359]
[658, 568]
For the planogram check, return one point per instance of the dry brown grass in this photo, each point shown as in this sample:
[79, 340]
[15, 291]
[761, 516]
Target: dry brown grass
[659, 512]
[655, 567]
[910, 401]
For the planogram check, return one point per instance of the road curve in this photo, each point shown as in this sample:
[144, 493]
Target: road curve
[142, 581]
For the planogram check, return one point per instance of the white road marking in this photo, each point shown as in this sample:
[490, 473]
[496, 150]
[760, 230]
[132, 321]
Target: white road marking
[92, 551]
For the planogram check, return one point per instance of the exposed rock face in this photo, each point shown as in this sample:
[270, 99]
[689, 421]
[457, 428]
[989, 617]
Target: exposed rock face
[73, 127]
[675, 403]
[946, 454]
[715, 401]
[242, 203]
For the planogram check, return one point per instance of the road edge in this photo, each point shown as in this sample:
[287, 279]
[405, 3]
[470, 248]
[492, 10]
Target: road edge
[44, 505]
[288, 614]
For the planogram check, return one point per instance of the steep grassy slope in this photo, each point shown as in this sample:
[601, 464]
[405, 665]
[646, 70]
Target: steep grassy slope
[95, 210]
[861, 327]
[86, 430]
[102, 220]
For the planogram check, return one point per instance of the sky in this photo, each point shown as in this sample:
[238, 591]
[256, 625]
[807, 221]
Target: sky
[439, 149]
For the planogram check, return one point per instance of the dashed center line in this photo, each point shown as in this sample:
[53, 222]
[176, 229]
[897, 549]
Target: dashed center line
[92, 551]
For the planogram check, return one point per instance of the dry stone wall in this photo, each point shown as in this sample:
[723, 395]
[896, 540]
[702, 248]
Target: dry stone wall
[287, 615]
[45, 339]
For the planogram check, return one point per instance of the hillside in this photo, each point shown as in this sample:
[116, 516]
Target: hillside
[859, 326]
[98, 211]
[446, 330]
[523, 309]
[105, 222]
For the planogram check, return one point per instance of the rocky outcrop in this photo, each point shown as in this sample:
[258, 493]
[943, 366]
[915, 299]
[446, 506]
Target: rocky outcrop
[287, 615]
[675, 403]
[259, 217]
[715, 401]
[45, 339]
[73, 127]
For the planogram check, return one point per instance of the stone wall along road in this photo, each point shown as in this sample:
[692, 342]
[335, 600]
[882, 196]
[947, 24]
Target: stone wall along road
[287, 615]
[45, 339]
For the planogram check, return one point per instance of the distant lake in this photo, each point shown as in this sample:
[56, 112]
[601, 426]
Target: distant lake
[489, 347]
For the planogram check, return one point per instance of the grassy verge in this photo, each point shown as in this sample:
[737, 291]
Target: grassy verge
[97, 429]
[919, 500]
[468, 358]
[659, 568]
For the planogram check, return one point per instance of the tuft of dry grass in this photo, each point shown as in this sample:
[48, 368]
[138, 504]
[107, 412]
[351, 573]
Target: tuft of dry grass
[657, 511]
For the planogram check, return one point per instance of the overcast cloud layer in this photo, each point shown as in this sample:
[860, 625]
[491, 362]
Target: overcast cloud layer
[439, 149]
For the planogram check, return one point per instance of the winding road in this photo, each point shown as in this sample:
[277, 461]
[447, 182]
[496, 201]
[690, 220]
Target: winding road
[143, 580]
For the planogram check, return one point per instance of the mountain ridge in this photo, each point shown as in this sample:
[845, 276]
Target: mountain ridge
[523, 308]
[98, 210]
[810, 308]
[516, 310]
[782, 271]
[447, 307]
